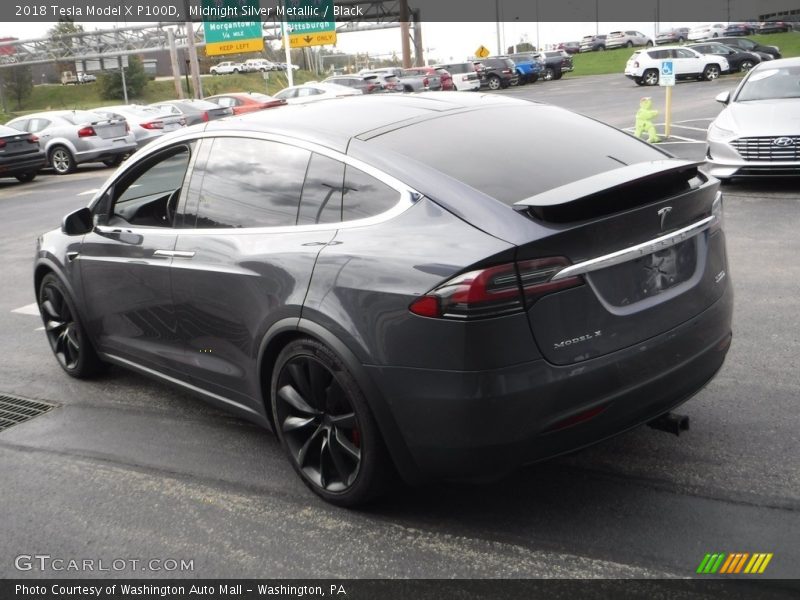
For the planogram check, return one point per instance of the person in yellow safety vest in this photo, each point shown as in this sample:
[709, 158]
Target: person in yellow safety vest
[644, 120]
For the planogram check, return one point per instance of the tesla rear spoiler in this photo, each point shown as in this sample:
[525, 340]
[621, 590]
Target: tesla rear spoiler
[614, 190]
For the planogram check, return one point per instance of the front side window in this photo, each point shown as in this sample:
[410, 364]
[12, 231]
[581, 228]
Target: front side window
[251, 183]
[148, 196]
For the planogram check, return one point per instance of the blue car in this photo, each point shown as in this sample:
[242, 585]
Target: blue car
[529, 66]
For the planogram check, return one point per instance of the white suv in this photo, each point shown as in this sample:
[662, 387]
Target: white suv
[706, 32]
[253, 65]
[226, 68]
[644, 67]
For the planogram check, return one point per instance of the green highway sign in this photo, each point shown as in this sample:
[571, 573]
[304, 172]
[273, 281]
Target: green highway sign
[228, 35]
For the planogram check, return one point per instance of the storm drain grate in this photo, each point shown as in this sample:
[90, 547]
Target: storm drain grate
[15, 410]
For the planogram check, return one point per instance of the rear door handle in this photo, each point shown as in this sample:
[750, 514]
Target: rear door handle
[173, 254]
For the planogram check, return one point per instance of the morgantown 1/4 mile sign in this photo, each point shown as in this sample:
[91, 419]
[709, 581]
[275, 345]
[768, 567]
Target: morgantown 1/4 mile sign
[224, 33]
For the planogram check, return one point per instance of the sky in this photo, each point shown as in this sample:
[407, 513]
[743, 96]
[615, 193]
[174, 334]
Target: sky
[442, 41]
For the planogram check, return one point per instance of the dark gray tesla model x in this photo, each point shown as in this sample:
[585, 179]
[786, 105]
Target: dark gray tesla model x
[438, 285]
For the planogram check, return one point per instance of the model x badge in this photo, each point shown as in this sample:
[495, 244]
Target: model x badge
[783, 141]
[663, 214]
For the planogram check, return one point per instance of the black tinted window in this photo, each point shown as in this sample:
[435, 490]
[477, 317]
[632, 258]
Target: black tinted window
[507, 152]
[365, 196]
[322, 192]
[251, 183]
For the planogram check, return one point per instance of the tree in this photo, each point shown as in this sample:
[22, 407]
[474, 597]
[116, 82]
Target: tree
[109, 83]
[65, 28]
[17, 83]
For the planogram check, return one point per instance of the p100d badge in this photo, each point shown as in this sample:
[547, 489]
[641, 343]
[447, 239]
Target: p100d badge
[577, 340]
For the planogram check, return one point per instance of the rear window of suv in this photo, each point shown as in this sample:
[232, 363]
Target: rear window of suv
[501, 167]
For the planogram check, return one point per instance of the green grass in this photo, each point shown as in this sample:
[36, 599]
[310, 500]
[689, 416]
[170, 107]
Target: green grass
[613, 61]
[61, 97]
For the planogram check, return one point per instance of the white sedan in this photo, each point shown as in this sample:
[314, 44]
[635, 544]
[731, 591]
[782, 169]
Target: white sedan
[311, 92]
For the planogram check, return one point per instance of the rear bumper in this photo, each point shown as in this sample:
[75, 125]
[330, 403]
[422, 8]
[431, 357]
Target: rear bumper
[15, 166]
[482, 425]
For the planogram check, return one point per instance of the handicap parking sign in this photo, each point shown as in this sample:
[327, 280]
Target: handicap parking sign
[667, 75]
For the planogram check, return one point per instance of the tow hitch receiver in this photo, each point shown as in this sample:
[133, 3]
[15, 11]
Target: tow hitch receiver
[671, 423]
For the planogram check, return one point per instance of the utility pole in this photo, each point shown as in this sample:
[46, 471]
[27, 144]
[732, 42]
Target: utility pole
[195, 66]
[419, 50]
[173, 59]
[404, 34]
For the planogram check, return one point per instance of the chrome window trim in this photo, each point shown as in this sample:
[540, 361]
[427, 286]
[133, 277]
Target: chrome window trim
[408, 195]
[633, 252]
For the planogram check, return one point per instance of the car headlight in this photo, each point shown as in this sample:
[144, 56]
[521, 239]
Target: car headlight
[717, 132]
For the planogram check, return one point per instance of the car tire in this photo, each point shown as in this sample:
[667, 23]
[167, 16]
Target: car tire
[236, 71]
[549, 74]
[746, 65]
[494, 82]
[711, 72]
[629, 44]
[26, 177]
[650, 77]
[558, 75]
[113, 162]
[638, 81]
[601, 48]
[681, 40]
[65, 333]
[649, 44]
[534, 78]
[61, 160]
[325, 426]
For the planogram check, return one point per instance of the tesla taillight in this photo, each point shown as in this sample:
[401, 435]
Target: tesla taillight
[494, 291]
[205, 116]
[153, 125]
[86, 132]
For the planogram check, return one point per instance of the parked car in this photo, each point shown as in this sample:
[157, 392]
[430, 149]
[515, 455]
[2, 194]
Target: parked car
[570, 47]
[774, 27]
[70, 78]
[593, 43]
[464, 323]
[529, 66]
[147, 123]
[242, 102]
[758, 132]
[74, 137]
[557, 62]
[439, 78]
[644, 66]
[366, 84]
[739, 29]
[254, 65]
[194, 111]
[676, 35]
[499, 72]
[738, 60]
[20, 154]
[765, 52]
[465, 76]
[228, 68]
[393, 79]
[313, 91]
[707, 31]
[627, 39]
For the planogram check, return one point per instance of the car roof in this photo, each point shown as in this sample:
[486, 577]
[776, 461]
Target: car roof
[335, 123]
[779, 63]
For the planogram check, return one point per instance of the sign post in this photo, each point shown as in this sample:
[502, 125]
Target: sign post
[666, 79]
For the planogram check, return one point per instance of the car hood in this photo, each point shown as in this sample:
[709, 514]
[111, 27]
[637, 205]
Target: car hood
[762, 118]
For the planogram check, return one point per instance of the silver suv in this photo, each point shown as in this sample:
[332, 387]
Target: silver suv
[618, 39]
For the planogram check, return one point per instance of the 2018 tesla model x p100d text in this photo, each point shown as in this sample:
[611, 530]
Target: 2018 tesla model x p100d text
[342, 273]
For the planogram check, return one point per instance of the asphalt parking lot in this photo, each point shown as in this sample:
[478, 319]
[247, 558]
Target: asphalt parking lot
[127, 468]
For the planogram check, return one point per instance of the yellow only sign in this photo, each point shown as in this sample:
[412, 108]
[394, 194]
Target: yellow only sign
[237, 47]
[320, 38]
[482, 52]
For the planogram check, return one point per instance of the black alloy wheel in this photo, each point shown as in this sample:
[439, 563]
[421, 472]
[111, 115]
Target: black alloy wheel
[711, 73]
[64, 331]
[325, 426]
[549, 73]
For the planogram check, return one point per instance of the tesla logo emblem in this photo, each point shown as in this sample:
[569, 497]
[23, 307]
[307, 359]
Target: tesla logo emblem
[663, 214]
[783, 141]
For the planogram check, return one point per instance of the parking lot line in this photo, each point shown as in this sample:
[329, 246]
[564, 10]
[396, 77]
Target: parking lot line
[703, 129]
[89, 192]
[28, 309]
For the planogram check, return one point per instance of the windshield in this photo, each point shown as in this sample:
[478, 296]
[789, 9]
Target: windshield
[771, 83]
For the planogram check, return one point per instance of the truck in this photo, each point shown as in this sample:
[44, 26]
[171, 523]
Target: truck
[70, 78]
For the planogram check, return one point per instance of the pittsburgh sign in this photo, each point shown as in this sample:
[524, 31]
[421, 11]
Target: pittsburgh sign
[313, 23]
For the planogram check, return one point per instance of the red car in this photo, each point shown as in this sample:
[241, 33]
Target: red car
[433, 73]
[245, 102]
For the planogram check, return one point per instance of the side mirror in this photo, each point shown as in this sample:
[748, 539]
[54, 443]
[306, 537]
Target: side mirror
[724, 97]
[78, 223]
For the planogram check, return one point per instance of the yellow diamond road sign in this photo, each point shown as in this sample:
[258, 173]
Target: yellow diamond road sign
[482, 52]
[320, 38]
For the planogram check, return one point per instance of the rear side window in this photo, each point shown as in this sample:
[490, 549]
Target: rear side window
[251, 183]
[365, 196]
[322, 192]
